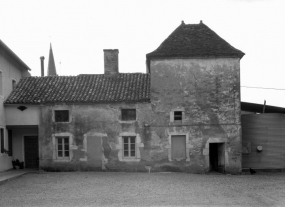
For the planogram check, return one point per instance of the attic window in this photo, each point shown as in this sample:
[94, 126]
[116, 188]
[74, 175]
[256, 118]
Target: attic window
[61, 115]
[22, 108]
[177, 115]
[128, 114]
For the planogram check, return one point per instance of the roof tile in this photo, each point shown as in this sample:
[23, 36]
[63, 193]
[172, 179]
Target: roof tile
[123, 87]
[194, 40]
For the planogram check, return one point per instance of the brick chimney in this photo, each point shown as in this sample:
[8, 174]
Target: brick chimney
[42, 66]
[111, 62]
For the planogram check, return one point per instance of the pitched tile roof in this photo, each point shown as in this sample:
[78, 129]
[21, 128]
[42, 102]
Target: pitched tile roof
[123, 87]
[194, 40]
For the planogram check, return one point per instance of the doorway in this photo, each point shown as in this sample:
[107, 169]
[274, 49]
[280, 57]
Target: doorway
[31, 151]
[217, 157]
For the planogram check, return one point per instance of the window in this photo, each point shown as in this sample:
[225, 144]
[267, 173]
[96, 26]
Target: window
[177, 115]
[2, 140]
[61, 116]
[1, 83]
[13, 83]
[62, 148]
[129, 147]
[128, 114]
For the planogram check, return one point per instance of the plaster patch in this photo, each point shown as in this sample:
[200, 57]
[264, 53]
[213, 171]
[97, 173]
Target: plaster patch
[83, 159]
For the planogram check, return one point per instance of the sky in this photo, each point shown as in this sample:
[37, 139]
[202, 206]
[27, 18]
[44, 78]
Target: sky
[79, 30]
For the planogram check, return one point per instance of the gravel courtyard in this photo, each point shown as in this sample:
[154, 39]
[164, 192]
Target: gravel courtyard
[143, 189]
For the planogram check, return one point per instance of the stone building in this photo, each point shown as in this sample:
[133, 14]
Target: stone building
[182, 115]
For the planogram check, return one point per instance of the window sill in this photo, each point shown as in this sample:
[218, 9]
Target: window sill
[63, 160]
[131, 159]
[127, 122]
[176, 123]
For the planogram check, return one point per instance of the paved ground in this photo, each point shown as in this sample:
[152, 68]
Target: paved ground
[143, 189]
[12, 174]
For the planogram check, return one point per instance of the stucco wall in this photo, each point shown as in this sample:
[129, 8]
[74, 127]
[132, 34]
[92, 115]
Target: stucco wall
[208, 92]
[10, 71]
[29, 116]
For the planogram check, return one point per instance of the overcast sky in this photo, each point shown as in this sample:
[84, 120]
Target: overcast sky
[80, 30]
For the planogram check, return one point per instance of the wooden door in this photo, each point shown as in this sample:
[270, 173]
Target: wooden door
[178, 147]
[31, 151]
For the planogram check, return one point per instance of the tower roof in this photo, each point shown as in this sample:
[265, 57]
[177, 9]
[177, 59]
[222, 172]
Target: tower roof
[51, 64]
[196, 41]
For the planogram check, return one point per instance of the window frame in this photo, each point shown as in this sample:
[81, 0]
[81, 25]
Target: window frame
[63, 143]
[173, 115]
[123, 115]
[129, 150]
[180, 116]
[54, 116]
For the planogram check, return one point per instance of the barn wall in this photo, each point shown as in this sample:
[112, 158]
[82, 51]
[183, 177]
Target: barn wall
[266, 130]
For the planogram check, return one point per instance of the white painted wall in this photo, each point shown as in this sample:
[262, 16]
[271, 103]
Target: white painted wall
[10, 71]
[29, 116]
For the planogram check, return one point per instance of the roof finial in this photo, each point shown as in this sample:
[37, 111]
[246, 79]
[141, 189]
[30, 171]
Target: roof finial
[201, 22]
[182, 22]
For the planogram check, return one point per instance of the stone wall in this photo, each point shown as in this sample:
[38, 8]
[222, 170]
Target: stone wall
[207, 91]
[95, 133]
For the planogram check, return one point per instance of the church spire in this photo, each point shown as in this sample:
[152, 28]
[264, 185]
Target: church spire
[51, 65]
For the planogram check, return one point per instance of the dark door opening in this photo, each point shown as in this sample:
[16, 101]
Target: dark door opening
[217, 157]
[31, 151]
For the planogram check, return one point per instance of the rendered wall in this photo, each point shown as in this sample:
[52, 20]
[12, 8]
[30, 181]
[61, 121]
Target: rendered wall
[208, 91]
[29, 116]
[10, 71]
